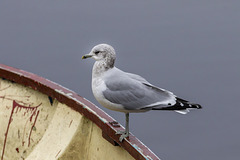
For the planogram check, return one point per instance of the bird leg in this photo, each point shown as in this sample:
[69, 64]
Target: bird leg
[125, 133]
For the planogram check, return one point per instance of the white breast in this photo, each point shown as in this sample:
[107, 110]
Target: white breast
[98, 86]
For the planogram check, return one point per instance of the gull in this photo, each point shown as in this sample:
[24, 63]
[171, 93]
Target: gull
[126, 92]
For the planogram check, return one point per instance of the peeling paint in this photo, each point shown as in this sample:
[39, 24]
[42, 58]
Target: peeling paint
[147, 157]
[69, 94]
[60, 91]
[65, 96]
[103, 120]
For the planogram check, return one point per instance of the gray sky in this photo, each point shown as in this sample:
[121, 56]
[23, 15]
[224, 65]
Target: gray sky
[189, 47]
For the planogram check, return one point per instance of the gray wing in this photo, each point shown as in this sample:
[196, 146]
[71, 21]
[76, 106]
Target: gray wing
[138, 78]
[135, 93]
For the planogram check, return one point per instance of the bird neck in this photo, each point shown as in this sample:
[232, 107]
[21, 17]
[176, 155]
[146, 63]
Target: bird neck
[99, 68]
[102, 66]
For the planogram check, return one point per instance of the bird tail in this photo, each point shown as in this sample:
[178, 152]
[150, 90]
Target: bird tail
[181, 106]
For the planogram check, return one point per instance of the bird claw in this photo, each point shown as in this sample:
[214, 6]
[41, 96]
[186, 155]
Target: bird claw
[120, 132]
[123, 134]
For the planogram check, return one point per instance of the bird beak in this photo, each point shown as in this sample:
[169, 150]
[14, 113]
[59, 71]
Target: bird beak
[86, 56]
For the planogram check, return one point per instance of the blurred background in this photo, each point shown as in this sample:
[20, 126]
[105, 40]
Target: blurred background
[188, 47]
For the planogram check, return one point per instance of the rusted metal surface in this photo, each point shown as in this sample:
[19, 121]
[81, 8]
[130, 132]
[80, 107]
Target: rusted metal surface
[106, 123]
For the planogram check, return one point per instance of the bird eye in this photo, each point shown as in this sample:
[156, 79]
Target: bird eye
[96, 52]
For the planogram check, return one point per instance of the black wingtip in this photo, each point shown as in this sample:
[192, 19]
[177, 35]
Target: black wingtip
[198, 106]
[180, 104]
[192, 105]
[188, 104]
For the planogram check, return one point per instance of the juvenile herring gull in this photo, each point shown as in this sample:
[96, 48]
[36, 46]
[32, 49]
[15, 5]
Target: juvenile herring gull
[126, 92]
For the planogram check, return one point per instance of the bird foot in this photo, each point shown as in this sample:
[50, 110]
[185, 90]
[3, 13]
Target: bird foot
[120, 132]
[123, 134]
